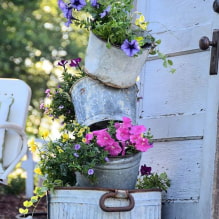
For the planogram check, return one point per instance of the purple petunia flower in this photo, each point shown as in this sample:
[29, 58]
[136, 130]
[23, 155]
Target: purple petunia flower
[145, 170]
[76, 155]
[61, 107]
[94, 3]
[105, 12]
[47, 91]
[90, 172]
[130, 48]
[77, 146]
[67, 11]
[106, 159]
[42, 106]
[75, 62]
[78, 4]
[62, 63]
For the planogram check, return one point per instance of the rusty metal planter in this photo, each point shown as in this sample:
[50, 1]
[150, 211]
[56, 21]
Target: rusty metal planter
[95, 102]
[98, 203]
[112, 66]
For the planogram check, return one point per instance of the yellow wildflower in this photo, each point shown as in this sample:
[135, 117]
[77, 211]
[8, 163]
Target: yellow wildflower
[45, 134]
[75, 129]
[38, 171]
[140, 22]
[65, 137]
[32, 145]
[79, 134]
[59, 149]
[82, 130]
[84, 140]
[140, 40]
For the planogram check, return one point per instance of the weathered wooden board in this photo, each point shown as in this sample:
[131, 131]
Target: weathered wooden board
[181, 161]
[181, 108]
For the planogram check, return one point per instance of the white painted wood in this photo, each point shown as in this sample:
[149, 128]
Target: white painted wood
[181, 161]
[28, 165]
[181, 109]
[15, 145]
[5, 103]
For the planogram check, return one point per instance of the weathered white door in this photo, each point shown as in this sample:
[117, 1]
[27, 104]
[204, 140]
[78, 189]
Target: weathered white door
[181, 108]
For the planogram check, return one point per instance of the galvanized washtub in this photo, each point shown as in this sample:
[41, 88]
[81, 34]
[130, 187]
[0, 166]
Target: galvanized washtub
[98, 203]
[35, 215]
[118, 172]
[112, 66]
[95, 102]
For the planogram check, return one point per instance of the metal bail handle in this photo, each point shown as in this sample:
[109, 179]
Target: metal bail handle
[117, 194]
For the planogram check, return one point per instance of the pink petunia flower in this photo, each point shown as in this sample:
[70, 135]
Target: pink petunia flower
[89, 137]
[137, 129]
[135, 138]
[127, 122]
[122, 134]
[103, 138]
[113, 149]
[143, 144]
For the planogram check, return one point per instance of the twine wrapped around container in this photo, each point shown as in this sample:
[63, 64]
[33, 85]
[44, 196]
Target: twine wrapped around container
[112, 66]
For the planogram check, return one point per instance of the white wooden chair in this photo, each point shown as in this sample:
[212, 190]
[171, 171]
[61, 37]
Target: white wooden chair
[15, 97]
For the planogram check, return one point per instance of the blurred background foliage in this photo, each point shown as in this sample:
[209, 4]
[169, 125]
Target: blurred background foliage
[33, 39]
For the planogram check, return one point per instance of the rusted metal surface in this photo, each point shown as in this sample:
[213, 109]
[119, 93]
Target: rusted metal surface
[95, 102]
[117, 194]
[205, 43]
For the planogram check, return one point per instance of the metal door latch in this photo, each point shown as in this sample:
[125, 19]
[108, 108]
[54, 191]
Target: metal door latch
[216, 6]
[205, 43]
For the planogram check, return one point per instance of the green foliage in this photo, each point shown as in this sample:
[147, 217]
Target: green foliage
[32, 38]
[60, 159]
[34, 201]
[60, 106]
[153, 181]
[118, 24]
[16, 186]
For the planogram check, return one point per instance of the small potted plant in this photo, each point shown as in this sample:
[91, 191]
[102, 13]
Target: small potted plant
[83, 151]
[119, 41]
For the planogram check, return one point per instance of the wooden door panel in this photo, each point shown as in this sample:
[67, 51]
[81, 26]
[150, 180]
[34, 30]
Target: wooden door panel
[177, 107]
[181, 161]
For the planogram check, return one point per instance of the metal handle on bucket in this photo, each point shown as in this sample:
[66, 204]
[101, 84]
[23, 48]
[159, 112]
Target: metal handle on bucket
[117, 194]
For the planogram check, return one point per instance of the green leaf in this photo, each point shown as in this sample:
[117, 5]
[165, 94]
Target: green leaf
[165, 64]
[158, 42]
[34, 199]
[170, 62]
[173, 70]
[108, 45]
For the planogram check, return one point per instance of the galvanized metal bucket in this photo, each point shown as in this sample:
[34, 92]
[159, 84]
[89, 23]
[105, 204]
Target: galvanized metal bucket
[95, 102]
[87, 203]
[112, 66]
[118, 173]
[35, 215]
